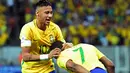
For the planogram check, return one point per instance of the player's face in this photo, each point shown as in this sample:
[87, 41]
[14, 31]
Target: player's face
[44, 14]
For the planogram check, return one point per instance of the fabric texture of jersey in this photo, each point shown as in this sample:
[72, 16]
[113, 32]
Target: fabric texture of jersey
[39, 41]
[83, 54]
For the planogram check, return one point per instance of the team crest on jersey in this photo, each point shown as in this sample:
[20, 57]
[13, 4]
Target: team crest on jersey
[52, 38]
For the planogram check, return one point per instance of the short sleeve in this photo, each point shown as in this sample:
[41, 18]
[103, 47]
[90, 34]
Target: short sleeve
[59, 34]
[25, 36]
[98, 53]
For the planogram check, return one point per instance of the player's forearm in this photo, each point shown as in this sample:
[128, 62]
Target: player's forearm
[108, 64]
[111, 69]
[30, 57]
[78, 69]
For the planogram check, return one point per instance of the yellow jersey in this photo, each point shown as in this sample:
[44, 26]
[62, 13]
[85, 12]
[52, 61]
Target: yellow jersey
[83, 54]
[39, 42]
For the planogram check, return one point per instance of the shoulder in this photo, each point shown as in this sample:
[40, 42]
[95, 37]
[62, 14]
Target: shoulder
[28, 25]
[66, 51]
[89, 46]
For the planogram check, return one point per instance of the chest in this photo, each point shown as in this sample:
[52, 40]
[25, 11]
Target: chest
[44, 38]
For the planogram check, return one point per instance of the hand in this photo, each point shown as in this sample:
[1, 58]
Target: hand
[67, 45]
[54, 53]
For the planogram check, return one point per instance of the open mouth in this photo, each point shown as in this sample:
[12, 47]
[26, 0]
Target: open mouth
[48, 20]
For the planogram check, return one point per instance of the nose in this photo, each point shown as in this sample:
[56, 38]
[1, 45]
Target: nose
[50, 15]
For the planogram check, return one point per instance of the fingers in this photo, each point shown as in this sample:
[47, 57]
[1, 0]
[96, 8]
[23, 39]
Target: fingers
[54, 53]
[67, 45]
[55, 56]
[57, 50]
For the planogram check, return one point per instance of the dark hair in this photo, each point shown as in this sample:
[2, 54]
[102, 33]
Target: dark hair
[41, 3]
[56, 44]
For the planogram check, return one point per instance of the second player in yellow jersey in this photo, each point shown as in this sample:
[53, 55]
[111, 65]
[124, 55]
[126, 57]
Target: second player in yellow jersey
[78, 57]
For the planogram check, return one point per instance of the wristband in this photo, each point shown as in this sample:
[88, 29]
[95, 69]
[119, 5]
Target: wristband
[44, 57]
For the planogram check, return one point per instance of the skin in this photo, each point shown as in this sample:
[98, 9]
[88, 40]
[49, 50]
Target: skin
[43, 16]
[108, 64]
[79, 69]
[70, 64]
[66, 46]
[31, 57]
[75, 67]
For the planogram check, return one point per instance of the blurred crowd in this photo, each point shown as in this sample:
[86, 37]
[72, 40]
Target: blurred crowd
[97, 22]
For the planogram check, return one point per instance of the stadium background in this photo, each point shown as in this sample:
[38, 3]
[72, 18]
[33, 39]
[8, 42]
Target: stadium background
[103, 23]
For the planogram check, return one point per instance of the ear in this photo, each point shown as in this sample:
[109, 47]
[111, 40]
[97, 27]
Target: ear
[37, 13]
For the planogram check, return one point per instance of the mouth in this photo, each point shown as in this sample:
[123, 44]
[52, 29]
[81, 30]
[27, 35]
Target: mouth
[48, 20]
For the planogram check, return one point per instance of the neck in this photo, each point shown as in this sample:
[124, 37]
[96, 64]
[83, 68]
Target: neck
[40, 25]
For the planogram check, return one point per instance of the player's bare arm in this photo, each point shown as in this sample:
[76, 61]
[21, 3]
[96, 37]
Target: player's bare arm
[31, 57]
[108, 64]
[75, 67]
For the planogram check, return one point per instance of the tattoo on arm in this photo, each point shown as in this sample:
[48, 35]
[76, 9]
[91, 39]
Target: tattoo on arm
[30, 57]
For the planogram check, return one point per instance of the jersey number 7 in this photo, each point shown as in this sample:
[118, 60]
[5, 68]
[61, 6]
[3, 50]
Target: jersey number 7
[81, 53]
